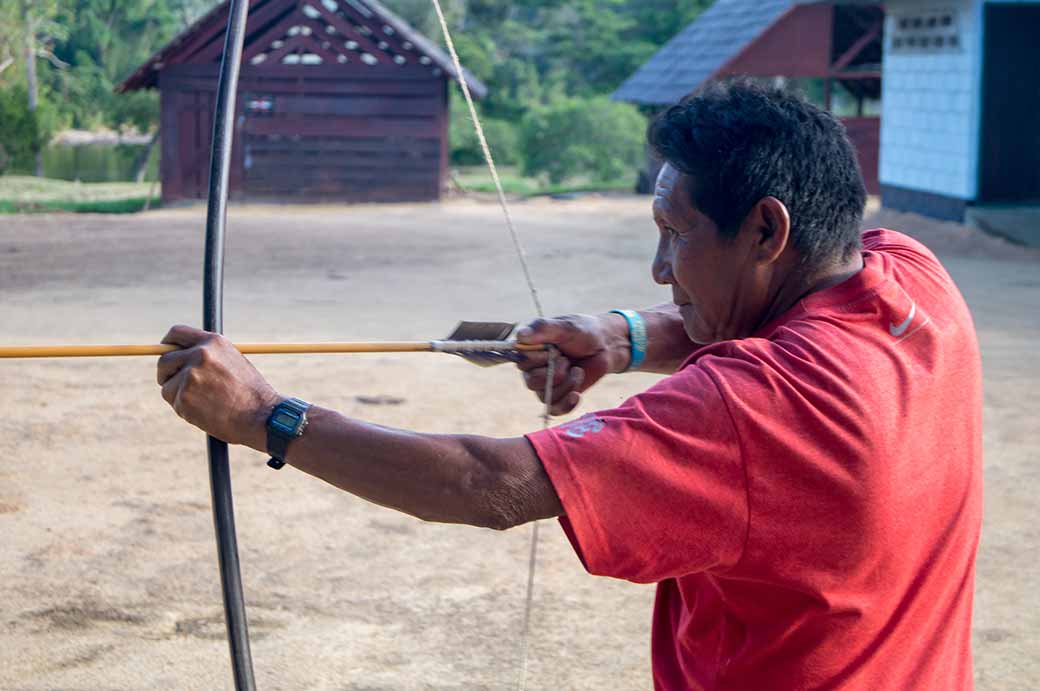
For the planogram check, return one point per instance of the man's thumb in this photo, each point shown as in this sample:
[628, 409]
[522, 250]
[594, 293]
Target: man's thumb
[542, 331]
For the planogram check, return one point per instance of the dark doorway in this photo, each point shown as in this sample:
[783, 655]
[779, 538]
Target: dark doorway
[1009, 164]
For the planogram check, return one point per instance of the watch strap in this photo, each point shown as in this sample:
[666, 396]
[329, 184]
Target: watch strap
[278, 437]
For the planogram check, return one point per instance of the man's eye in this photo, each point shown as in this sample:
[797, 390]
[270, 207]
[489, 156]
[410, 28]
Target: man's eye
[672, 232]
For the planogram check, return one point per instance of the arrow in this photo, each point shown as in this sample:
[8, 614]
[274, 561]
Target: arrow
[454, 347]
[482, 343]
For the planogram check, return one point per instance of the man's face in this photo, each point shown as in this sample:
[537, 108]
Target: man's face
[714, 280]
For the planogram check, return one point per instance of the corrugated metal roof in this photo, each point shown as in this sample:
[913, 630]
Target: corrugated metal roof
[699, 50]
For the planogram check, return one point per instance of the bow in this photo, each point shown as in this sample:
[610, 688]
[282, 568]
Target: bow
[212, 320]
[213, 283]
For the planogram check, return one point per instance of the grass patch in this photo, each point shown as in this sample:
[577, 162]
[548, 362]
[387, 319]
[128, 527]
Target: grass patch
[28, 194]
[102, 206]
[566, 188]
[478, 179]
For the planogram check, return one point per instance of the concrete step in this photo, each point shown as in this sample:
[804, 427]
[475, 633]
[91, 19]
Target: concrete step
[1019, 224]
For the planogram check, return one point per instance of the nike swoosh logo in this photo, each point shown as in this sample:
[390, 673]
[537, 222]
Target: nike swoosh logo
[900, 329]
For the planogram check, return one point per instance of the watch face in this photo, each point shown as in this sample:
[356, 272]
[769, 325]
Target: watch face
[286, 420]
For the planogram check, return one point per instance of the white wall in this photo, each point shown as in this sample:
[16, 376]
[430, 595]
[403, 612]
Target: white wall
[930, 107]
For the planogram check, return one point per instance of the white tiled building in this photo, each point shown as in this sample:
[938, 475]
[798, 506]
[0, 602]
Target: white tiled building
[961, 105]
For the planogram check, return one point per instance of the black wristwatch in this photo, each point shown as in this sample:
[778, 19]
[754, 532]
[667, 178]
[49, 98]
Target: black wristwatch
[287, 421]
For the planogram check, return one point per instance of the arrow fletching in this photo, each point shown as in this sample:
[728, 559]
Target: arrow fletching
[484, 344]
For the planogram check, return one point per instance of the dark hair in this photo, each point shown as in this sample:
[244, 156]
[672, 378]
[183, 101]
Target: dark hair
[742, 141]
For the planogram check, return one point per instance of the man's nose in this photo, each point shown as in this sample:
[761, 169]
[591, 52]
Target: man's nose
[661, 269]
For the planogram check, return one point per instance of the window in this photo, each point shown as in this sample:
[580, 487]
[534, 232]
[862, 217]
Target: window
[925, 31]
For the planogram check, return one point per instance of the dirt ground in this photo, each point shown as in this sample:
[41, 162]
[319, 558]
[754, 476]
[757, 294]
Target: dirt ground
[109, 572]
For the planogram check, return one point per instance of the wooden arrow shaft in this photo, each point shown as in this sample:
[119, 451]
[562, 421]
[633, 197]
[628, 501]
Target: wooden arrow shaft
[64, 351]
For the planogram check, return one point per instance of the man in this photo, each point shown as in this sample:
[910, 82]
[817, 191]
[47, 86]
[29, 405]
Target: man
[804, 486]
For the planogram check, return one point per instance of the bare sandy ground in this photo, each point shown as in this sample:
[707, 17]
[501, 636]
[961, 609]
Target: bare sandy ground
[109, 573]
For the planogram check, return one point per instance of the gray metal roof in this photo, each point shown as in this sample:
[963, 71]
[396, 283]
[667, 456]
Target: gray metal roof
[699, 50]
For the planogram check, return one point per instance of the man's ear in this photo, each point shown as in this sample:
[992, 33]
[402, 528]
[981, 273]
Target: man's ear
[769, 226]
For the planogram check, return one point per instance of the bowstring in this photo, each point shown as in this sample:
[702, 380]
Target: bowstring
[522, 256]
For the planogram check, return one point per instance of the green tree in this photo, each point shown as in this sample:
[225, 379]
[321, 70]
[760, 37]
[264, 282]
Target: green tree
[659, 20]
[502, 137]
[593, 137]
[23, 133]
[188, 11]
[29, 29]
[107, 40]
[536, 53]
[9, 37]
[533, 55]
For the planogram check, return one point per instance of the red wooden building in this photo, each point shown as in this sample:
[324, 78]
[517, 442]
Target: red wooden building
[834, 46]
[339, 100]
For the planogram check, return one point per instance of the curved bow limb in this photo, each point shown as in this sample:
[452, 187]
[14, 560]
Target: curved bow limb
[213, 299]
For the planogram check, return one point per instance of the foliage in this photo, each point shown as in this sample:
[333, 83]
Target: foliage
[534, 55]
[23, 133]
[575, 136]
[588, 46]
[502, 138]
[108, 39]
[188, 12]
[11, 40]
[19, 135]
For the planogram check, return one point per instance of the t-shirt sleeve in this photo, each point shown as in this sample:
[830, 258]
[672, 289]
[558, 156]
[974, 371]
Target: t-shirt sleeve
[655, 488]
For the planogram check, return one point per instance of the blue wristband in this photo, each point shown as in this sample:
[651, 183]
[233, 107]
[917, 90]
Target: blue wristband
[636, 337]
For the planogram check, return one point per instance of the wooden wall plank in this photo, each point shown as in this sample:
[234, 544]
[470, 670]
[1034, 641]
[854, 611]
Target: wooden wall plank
[168, 133]
[444, 113]
[351, 71]
[301, 84]
[426, 146]
[288, 106]
[349, 127]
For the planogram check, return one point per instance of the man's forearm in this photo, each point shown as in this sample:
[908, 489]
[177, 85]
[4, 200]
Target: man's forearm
[481, 481]
[667, 343]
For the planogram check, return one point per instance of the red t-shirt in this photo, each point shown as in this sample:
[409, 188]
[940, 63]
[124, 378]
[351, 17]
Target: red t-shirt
[809, 499]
